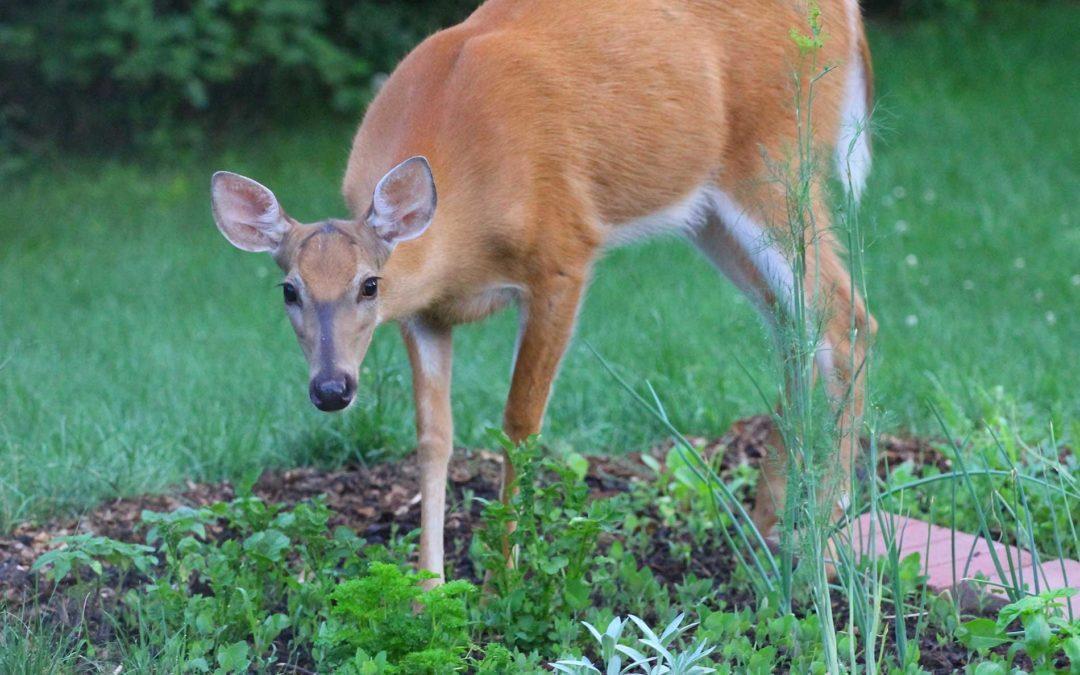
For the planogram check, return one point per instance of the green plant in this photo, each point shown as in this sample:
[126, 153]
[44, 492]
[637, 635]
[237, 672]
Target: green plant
[35, 647]
[1045, 636]
[272, 575]
[661, 656]
[386, 619]
[766, 640]
[495, 659]
[86, 551]
[534, 602]
[78, 554]
[235, 600]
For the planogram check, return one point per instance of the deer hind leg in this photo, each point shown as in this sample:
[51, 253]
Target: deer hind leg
[740, 243]
[841, 358]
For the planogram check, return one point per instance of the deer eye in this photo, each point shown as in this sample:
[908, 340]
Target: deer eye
[291, 296]
[370, 287]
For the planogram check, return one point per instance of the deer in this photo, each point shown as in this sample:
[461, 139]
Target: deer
[506, 154]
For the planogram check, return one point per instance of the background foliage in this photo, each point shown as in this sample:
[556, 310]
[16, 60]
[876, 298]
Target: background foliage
[103, 72]
[111, 70]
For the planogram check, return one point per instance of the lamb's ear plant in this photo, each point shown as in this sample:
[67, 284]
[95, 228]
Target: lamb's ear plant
[650, 654]
[612, 654]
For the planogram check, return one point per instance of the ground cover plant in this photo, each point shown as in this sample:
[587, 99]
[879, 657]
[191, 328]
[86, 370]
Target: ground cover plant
[646, 564]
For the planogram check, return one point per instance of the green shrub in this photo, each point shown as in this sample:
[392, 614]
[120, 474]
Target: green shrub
[79, 70]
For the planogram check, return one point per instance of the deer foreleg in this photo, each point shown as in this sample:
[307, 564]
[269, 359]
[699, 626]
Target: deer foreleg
[430, 353]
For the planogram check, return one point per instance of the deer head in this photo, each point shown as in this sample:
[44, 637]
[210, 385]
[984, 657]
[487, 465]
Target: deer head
[331, 268]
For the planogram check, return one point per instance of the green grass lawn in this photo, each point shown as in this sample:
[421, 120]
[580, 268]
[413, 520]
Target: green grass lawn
[138, 349]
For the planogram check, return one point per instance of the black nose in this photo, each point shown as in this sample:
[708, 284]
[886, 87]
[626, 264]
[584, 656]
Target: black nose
[331, 393]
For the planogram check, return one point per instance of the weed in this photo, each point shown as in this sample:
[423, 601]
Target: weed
[1046, 636]
[87, 552]
[535, 601]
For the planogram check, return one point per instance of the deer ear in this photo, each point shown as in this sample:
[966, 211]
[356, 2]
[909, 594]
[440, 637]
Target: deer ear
[247, 213]
[404, 201]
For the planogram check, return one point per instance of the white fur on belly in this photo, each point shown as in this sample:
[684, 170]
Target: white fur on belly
[680, 218]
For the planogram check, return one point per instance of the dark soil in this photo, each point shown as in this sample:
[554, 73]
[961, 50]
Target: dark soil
[374, 501]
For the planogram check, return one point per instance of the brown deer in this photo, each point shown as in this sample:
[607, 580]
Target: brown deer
[549, 131]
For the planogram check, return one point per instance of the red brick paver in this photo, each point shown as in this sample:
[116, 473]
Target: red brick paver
[953, 559]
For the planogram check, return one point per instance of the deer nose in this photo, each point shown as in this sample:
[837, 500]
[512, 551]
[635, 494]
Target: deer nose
[331, 393]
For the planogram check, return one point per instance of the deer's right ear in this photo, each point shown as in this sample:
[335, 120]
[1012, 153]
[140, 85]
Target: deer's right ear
[247, 213]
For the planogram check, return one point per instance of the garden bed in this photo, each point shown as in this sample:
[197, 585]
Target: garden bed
[381, 501]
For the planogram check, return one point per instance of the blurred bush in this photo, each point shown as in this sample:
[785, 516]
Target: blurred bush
[106, 73]
[922, 9]
[116, 71]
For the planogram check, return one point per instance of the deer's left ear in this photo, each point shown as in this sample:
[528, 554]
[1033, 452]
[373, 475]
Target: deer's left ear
[247, 213]
[404, 201]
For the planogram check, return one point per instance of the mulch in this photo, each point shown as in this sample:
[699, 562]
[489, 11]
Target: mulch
[374, 501]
